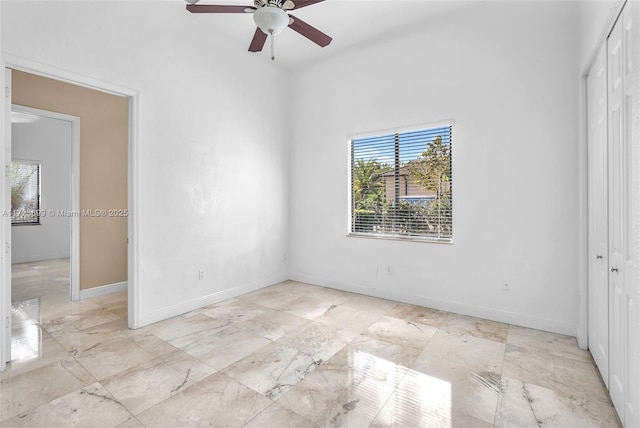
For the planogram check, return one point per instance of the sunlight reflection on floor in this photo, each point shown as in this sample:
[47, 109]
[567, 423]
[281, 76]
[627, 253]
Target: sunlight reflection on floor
[26, 336]
[419, 398]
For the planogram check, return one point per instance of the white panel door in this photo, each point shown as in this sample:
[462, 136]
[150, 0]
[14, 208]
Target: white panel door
[598, 214]
[630, 203]
[617, 173]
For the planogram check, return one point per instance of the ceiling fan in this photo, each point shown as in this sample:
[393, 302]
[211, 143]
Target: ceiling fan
[271, 17]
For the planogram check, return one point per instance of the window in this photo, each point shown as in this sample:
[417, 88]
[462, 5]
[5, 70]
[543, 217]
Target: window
[401, 185]
[25, 192]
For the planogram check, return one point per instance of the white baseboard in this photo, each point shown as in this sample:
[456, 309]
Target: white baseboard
[103, 289]
[443, 305]
[200, 302]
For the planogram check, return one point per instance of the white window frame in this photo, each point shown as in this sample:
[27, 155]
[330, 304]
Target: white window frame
[393, 237]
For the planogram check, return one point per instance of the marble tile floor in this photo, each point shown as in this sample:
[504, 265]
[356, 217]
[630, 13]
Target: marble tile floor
[296, 355]
[30, 283]
[33, 280]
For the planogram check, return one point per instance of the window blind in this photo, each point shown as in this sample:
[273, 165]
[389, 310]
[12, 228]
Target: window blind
[25, 192]
[401, 184]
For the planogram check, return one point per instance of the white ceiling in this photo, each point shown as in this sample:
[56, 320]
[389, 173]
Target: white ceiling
[352, 24]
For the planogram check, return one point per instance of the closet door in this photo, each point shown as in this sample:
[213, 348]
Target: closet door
[631, 204]
[598, 213]
[617, 220]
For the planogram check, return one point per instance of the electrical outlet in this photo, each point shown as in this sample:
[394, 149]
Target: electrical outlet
[389, 271]
[201, 274]
[506, 287]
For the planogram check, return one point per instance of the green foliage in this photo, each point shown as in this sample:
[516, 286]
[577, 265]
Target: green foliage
[414, 218]
[365, 220]
[19, 182]
[367, 182]
[432, 170]
[408, 218]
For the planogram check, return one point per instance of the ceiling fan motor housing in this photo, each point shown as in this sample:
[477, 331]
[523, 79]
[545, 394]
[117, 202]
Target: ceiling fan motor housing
[271, 19]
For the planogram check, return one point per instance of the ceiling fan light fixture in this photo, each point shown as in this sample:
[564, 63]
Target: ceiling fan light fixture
[271, 20]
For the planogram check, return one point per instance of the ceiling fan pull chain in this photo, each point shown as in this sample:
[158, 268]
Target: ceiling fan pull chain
[273, 56]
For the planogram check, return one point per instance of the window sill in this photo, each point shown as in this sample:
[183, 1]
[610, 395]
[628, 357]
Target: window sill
[401, 238]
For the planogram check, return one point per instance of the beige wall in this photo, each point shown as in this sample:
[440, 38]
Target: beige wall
[103, 169]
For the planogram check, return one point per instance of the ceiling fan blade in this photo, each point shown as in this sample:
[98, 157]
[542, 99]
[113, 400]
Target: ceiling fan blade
[258, 41]
[311, 33]
[304, 3]
[213, 8]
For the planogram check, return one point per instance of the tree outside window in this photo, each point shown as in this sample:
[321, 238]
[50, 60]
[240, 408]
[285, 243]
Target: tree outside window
[25, 192]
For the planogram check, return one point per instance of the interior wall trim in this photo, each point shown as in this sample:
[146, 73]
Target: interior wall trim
[103, 290]
[200, 302]
[443, 305]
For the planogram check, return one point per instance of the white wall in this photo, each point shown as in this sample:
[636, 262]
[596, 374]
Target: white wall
[506, 72]
[212, 161]
[49, 141]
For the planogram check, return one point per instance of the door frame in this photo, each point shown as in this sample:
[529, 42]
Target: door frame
[75, 190]
[8, 61]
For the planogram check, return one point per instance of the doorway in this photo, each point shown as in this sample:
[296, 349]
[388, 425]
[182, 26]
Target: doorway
[44, 227]
[99, 276]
